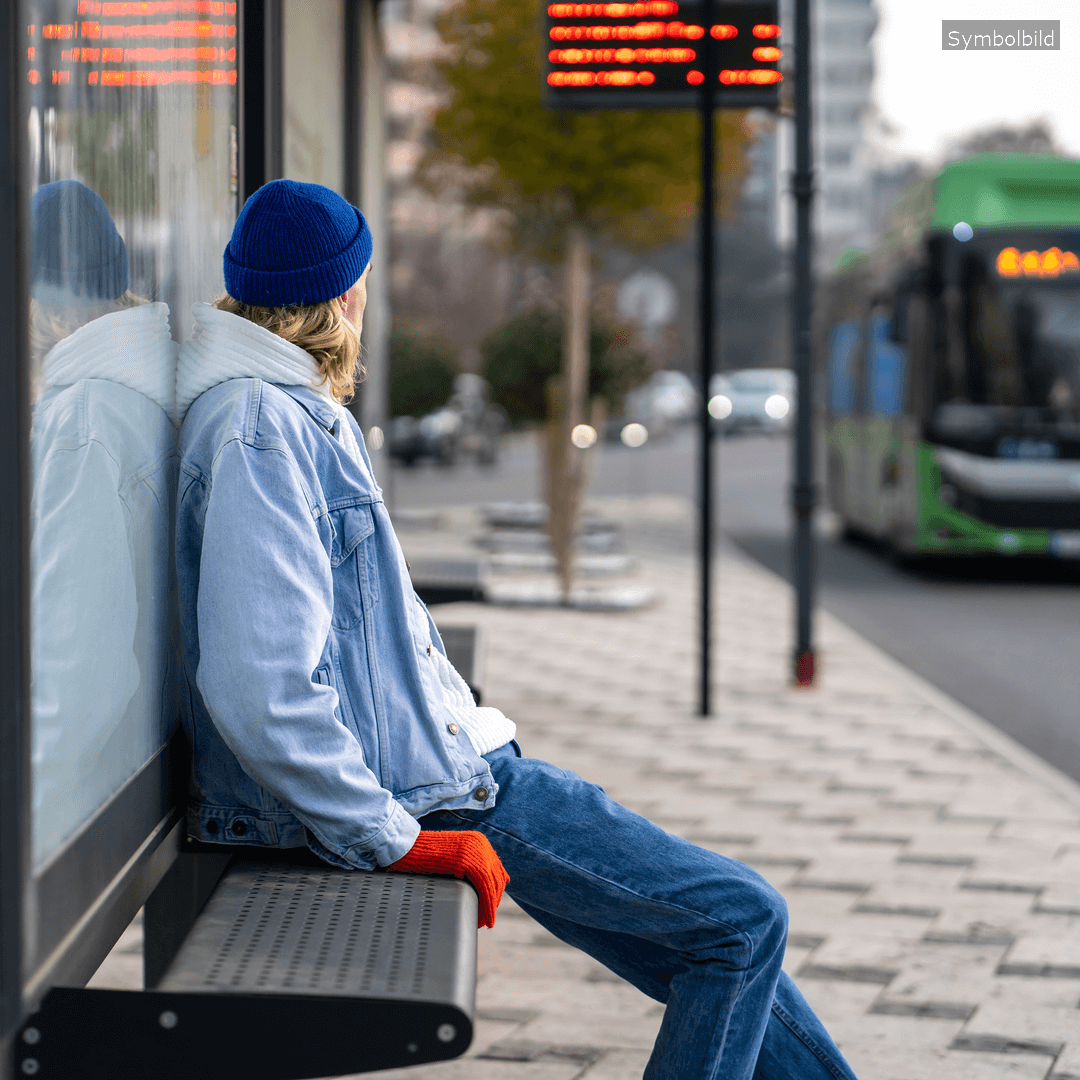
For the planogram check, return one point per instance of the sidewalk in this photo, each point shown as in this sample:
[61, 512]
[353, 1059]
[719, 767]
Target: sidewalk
[931, 866]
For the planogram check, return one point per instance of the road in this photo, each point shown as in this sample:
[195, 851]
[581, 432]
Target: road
[999, 636]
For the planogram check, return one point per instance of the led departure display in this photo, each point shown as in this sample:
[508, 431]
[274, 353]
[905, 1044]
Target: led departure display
[1052, 263]
[140, 43]
[649, 55]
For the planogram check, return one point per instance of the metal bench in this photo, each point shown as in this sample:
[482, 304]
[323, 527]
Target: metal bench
[256, 963]
[446, 581]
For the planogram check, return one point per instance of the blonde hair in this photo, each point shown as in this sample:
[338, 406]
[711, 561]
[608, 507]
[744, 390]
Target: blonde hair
[319, 329]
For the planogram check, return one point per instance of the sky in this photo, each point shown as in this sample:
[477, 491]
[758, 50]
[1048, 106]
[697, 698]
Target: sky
[931, 96]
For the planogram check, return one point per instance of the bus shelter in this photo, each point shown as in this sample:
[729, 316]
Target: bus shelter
[133, 133]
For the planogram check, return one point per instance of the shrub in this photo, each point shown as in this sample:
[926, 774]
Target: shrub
[422, 371]
[520, 356]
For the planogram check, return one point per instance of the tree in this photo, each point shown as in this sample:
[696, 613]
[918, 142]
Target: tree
[422, 371]
[522, 355]
[630, 177]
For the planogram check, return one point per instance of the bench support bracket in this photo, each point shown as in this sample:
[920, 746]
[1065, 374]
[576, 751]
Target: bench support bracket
[82, 1034]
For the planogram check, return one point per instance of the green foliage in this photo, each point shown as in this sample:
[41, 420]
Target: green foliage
[630, 176]
[520, 357]
[422, 371]
[114, 149]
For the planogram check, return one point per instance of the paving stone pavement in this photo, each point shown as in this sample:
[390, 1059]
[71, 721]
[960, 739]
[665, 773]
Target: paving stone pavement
[931, 866]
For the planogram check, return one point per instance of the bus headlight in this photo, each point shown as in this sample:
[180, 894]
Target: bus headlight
[777, 406]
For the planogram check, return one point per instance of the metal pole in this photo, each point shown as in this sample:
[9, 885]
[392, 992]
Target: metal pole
[15, 481]
[708, 154]
[374, 400]
[803, 492]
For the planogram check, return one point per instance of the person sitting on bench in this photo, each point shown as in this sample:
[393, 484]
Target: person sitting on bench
[321, 708]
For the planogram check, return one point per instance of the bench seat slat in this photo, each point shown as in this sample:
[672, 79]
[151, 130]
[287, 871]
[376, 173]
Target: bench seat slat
[277, 928]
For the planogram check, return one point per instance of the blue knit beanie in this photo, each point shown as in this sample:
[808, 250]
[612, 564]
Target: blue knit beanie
[295, 244]
[74, 245]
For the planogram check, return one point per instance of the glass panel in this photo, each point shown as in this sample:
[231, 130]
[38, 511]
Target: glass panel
[132, 150]
[843, 376]
[888, 368]
[314, 130]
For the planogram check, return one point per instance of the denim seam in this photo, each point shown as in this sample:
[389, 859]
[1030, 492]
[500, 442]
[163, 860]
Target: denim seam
[622, 888]
[283, 451]
[251, 426]
[805, 1037]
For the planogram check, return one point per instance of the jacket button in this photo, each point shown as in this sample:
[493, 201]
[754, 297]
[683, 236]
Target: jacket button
[429, 650]
[212, 828]
[238, 828]
[481, 794]
[452, 728]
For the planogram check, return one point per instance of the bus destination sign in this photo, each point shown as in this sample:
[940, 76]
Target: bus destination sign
[649, 54]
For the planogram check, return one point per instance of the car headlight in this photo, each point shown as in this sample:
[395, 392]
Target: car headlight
[777, 406]
[720, 407]
[583, 436]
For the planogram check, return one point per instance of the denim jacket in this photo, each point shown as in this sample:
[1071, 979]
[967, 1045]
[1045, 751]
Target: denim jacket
[309, 681]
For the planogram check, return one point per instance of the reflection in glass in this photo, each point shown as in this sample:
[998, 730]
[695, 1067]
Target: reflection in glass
[131, 129]
[314, 128]
[104, 452]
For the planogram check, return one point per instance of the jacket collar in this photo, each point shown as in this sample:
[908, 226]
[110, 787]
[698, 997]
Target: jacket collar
[224, 346]
[310, 399]
[132, 347]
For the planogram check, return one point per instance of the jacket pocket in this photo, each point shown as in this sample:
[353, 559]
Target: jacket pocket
[352, 563]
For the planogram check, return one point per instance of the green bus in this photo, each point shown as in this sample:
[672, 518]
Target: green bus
[952, 369]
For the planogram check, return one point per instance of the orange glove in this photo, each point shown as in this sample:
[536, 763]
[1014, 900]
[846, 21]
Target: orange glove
[465, 855]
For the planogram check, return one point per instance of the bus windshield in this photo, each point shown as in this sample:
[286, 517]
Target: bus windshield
[1013, 355]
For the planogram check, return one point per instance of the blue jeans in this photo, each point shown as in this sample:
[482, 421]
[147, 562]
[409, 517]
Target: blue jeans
[692, 929]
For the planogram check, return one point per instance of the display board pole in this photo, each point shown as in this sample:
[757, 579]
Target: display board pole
[803, 494]
[733, 57]
[708, 325]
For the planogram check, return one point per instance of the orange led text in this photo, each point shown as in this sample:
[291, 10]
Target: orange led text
[165, 78]
[643, 31]
[751, 77]
[601, 78]
[1011, 262]
[612, 11]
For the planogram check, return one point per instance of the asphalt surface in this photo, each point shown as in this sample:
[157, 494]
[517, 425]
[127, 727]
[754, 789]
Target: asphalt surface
[998, 635]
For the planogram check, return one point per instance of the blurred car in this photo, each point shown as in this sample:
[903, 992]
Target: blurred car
[665, 400]
[467, 425]
[753, 399]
